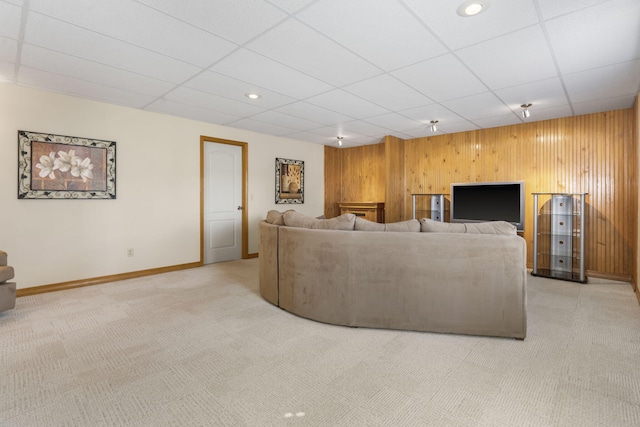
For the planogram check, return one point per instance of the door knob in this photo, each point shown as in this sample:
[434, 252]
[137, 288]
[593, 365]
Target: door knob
[239, 208]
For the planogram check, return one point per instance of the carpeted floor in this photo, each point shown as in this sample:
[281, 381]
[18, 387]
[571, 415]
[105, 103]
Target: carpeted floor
[200, 347]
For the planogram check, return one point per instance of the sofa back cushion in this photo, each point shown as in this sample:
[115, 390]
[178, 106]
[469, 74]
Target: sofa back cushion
[429, 225]
[489, 227]
[411, 225]
[342, 222]
[275, 217]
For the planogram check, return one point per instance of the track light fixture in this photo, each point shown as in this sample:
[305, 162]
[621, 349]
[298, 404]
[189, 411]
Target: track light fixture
[340, 138]
[525, 111]
[433, 125]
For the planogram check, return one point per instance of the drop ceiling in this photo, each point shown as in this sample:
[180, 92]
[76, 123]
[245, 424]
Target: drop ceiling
[361, 69]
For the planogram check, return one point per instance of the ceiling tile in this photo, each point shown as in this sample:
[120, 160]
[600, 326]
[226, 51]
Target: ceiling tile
[7, 72]
[388, 92]
[188, 96]
[444, 128]
[598, 36]
[190, 112]
[81, 88]
[59, 63]
[538, 114]
[262, 127]
[345, 103]
[312, 137]
[380, 31]
[261, 71]
[221, 85]
[332, 132]
[298, 46]
[312, 112]
[287, 120]
[513, 59]
[622, 80]
[8, 49]
[10, 18]
[553, 8]
[482, 106]
[542, 94]
[427, 113]
[235, 20]
[72, 40]
[492, 122]
[395, 121]
[609, 104]
[364, 128]
[291, 6]
[138, 25]
[441, 78]
[502, 17]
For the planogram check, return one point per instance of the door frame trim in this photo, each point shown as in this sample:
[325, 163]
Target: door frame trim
[245, 174]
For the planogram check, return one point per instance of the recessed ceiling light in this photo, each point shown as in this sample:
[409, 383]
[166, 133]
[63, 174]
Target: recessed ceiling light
[252, 95]
[472, 8]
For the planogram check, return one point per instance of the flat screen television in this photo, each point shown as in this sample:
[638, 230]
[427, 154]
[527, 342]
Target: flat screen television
[488, 201]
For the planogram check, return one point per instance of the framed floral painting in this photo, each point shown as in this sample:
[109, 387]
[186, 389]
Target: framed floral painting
[65, 167]
[289, 181]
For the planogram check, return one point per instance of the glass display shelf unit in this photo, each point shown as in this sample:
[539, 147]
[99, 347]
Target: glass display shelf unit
[430, 206]
[558, 236]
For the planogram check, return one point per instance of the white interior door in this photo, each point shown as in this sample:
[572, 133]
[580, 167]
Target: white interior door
[222, 202]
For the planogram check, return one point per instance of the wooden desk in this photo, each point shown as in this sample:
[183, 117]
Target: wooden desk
[372, 211]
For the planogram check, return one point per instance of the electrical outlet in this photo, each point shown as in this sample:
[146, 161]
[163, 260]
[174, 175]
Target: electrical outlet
[130, 252]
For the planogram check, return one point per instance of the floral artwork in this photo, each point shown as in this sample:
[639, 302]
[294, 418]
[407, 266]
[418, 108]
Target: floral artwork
[289, 181]
[55, 166]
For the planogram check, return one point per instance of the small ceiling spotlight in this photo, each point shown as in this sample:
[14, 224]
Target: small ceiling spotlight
[433, 125]
[525, 111]
[252, 95]
[472, 8]
[340, 138]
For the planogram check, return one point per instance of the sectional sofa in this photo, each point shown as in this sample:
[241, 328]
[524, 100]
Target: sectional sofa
[411, 275]
[7, 289]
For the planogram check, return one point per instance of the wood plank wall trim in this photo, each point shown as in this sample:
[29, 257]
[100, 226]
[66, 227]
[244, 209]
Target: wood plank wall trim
[594, 153]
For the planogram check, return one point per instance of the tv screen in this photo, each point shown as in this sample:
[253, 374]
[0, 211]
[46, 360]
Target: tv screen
[488, 201]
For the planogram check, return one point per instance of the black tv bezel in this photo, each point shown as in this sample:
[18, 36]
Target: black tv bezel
[519, 225]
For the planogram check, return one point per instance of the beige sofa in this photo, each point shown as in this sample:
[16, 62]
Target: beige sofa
[7, 290]
[420, 276]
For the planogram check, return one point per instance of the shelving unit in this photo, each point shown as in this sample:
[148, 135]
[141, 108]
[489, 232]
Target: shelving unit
[430, 206]
[558, 236]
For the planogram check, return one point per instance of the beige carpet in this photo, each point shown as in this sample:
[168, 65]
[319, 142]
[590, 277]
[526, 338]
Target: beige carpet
[201, 348]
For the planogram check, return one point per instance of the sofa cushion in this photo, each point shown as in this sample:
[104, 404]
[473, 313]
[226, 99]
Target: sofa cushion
[366, 225]
[491, 227]
[342, 222]
[275, 217]
[429, 225]
[411, 225]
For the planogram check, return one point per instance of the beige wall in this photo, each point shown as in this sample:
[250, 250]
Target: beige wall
[157, 210]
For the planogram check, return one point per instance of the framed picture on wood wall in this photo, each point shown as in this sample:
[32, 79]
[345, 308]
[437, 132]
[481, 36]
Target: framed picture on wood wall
[65, 167]
[289, 181]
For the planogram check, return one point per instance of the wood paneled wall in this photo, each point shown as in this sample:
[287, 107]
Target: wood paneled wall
[355, 174]
[595, 153]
